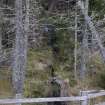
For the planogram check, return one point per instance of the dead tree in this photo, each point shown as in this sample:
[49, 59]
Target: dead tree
[93, 29]
[20, 50]
[84, 44]
[0, 36]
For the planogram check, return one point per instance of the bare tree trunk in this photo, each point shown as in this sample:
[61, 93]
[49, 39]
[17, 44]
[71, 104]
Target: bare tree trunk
[84, 44]
[20, 50]
[0, 41]
[93, 30]
[75, 49]
[0, 35]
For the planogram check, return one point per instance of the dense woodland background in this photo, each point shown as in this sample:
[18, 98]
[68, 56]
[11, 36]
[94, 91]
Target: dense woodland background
[51, 37]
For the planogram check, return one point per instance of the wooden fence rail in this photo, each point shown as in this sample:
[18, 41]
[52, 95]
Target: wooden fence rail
[41, 100]
[83, 99]
[103, 103]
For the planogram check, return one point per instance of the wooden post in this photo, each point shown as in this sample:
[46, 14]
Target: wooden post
[18, 96]
[85, 101]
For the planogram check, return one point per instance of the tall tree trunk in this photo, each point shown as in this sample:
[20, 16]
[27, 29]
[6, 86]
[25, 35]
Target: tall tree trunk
[84, 44]
[20, 50]
[76, 39]
[0, 42]
[93, 30]
[0, 35]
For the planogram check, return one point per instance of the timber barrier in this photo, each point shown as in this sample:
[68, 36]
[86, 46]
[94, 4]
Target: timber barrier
[86, 95]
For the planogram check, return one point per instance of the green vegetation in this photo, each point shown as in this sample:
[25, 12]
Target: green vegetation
[38, 71]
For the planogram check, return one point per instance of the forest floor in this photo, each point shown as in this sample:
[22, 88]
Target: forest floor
[37, 75]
